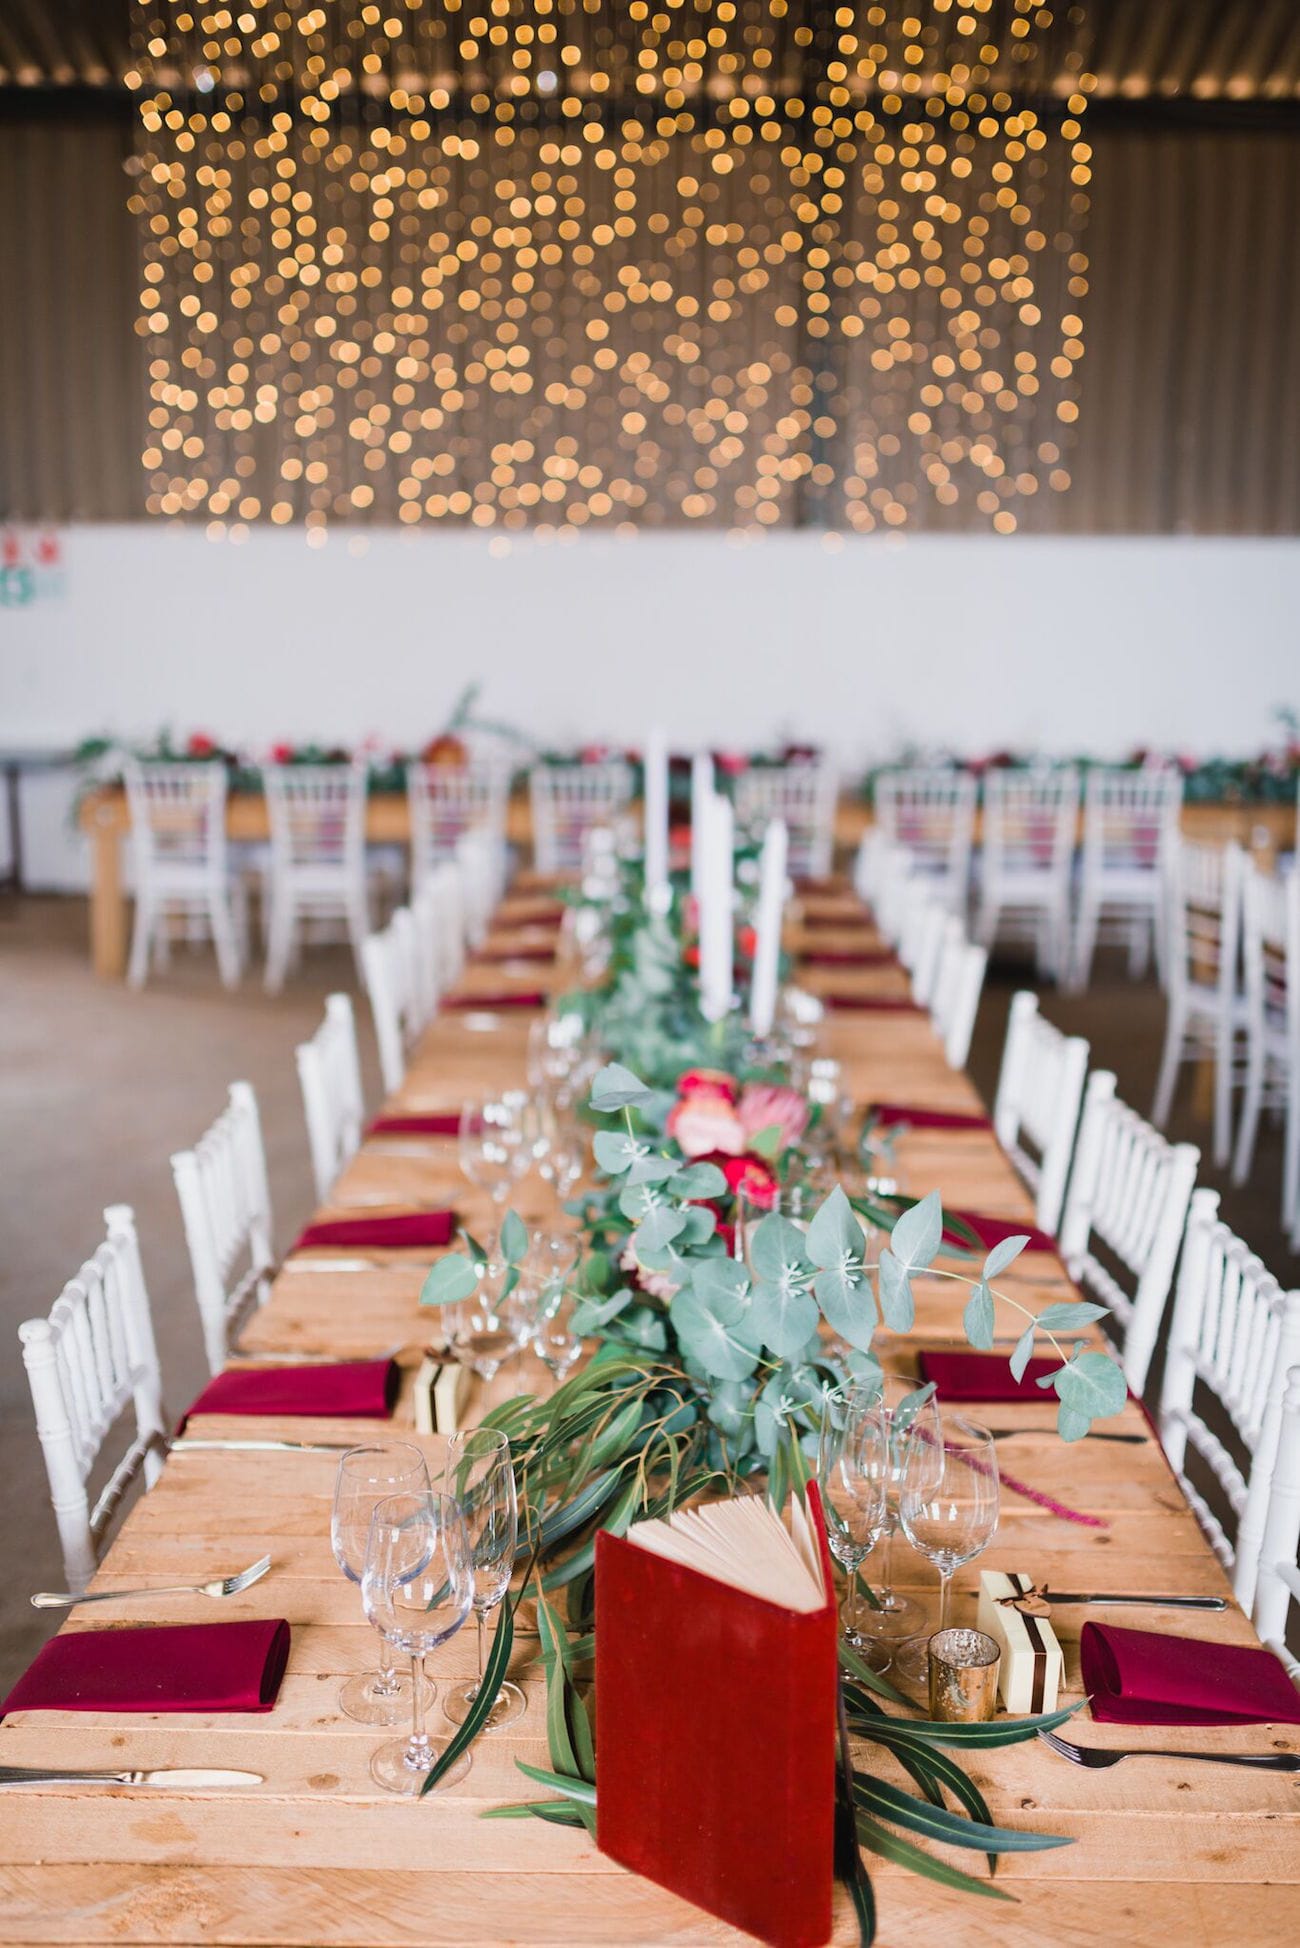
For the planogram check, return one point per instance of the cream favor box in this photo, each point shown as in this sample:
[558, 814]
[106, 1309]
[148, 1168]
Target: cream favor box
[1029, 1676]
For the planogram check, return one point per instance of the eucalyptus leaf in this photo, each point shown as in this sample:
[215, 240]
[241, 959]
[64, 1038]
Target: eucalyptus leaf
[514, 1238]
[915, 1239]
[783, 1316]
[658, 1228]
[1091, 1384]
[715, 1329]
[1023, 1350]
[978, 1318]
[777, 1249]
[616, 1151]
[1071, 1425]
[897, 1305]
[849, 1307]
[1003, 1254]
[835, 1235]
[768, 1142]
[698, 1180]
[617, 1088]
[450, 1280]
[1070, 1315]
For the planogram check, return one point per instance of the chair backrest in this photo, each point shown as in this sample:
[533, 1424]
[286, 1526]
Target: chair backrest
[449, 800]
[1278, 1582]
[317, 816]
[894, 888]
[178, 820]
[568, 801]
[87, 1363]
[1040, 1089]
[1236, 1333]
[932, 814]
[1030, 823]
[958, 984]
[1270, 922]
[329, 1071]
[226, 1206]
[1129, 820]
[803, 793]
[477, 855]
[1203, 896]
[1129, 1189]
[393, 984]
[446, 907]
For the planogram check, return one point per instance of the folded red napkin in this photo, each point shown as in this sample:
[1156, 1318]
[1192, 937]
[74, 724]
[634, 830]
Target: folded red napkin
[850, 957]
[489, 1003]
[1138, 1677]
[440, 1122]
[359, 1390]
[872, 1004]
[175, 1667]
[890, 1116]
[499, 951]
[401, 1231]
[983, 1376]
[992, 1230]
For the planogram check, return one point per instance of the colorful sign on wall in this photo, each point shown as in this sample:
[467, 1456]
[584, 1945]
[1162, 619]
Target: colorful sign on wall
[32, 566]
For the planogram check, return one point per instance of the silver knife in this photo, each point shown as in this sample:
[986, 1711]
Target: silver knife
[260, 1447]
[1155, 1602]
[179, 1777]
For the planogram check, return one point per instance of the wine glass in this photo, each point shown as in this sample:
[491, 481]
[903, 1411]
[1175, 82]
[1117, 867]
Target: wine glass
[418, 1588]
[494, 1148]
[482, 1479]
[898, 1616]
[851, 1472]
[555, 1343]
[367, 1476]
[948, 1507]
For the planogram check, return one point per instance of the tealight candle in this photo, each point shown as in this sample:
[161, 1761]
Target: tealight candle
[963, 1676]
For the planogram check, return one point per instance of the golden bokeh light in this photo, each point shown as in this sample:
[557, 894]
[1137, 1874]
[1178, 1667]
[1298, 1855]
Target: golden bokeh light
[553, 264]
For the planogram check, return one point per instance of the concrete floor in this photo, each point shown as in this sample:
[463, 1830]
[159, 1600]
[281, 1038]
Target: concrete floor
[99, 1085]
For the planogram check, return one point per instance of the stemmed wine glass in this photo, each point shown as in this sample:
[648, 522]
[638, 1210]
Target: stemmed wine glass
[851, 1472]
[480, 1476]
[948, 1507]
[495, 1151]
[367, 1476]
[418, 1588]
[555, 1342]
[894, 1395]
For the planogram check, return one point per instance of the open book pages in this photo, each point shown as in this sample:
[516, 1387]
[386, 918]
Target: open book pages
[745, 1544]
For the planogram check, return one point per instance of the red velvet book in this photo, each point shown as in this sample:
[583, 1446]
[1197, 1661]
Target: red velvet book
[715, 1713]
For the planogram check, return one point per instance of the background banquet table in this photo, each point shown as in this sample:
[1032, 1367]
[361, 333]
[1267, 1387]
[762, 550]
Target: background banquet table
[318, 1855]
[104, 818]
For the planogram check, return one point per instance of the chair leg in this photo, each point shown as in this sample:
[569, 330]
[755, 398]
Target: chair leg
[358, 920]
[1291, 1154]
[1139, 946]
[1085, 943]
[1225, 1048]
[1248, 1128]
[138, 969]
[225, 939]
[1175, 1028]
[279, 941]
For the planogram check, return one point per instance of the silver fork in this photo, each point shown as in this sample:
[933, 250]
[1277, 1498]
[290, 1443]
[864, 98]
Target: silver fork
[1094, 1756]
[222, 1586]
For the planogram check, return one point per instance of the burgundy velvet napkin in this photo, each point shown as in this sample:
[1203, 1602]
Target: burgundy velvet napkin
[890, 1116]
[500, 952]
[983, 1376]
[992, 1230]
[402, 1231]
[441, 1122]
[1138, 1677]
[872, 1004]
[490, 1003]
[358, 1390]
[850, 957]
[175, 1667]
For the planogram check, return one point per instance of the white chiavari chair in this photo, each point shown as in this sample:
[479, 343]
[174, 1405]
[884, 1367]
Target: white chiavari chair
[803, 793]
[226, 1207]
[932, 814]
[1128, 1193]
[958, 984]
[426, 949]
[568, 802]
[389, 961]
[1234, 1333]
[182, 865]
[1206, 1005]
[329, 1072]
[446, 889]
[1040, 1090]
[477, 858]
[1026, 860]
[448, 801]
[1129, 820]
[91, 1359]
[1278, 1582]
[1271, 953]
[895, 889]
[317, 869]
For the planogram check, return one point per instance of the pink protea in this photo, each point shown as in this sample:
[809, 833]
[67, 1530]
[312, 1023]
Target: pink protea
[704, 1121]
[764, 1105]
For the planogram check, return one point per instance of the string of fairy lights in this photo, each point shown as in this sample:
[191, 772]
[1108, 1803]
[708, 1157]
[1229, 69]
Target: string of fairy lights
[551, 264]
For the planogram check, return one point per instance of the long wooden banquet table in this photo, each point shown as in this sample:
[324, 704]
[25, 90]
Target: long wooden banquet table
[1163, 1850]
[105, 819]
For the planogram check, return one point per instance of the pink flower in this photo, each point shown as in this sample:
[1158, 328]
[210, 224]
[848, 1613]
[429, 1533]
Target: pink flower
[657, 1284]
[705, 1121]
[708, 1082]
[763, 1105]
[752, 1179]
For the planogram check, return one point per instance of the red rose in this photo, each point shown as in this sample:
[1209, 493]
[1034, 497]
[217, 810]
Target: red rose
[750, 1177]
[201, 745]
[708, 1082]
[746, 942]
[282, 754]
[690, 956]
[731, 763]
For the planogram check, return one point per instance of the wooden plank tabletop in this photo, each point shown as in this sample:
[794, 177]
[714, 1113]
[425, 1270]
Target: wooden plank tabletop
[319, 1856]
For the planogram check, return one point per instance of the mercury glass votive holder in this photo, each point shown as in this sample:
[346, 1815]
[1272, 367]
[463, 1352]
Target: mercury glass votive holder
[963, 1676]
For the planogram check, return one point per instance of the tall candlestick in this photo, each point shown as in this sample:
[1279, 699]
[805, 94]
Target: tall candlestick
[716, 901]
[701, 792]
[767, 929]
[658, 891]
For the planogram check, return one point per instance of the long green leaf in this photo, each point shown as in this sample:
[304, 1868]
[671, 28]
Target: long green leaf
[983, 1737]
[891, 1846]
[580, 1790]
[494, 1672]
[877, 1796]
[865, 1675]
[562, 1812]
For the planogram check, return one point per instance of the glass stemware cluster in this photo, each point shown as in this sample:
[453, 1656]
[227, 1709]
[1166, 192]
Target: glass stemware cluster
[886, 1461]
[429, 1557]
